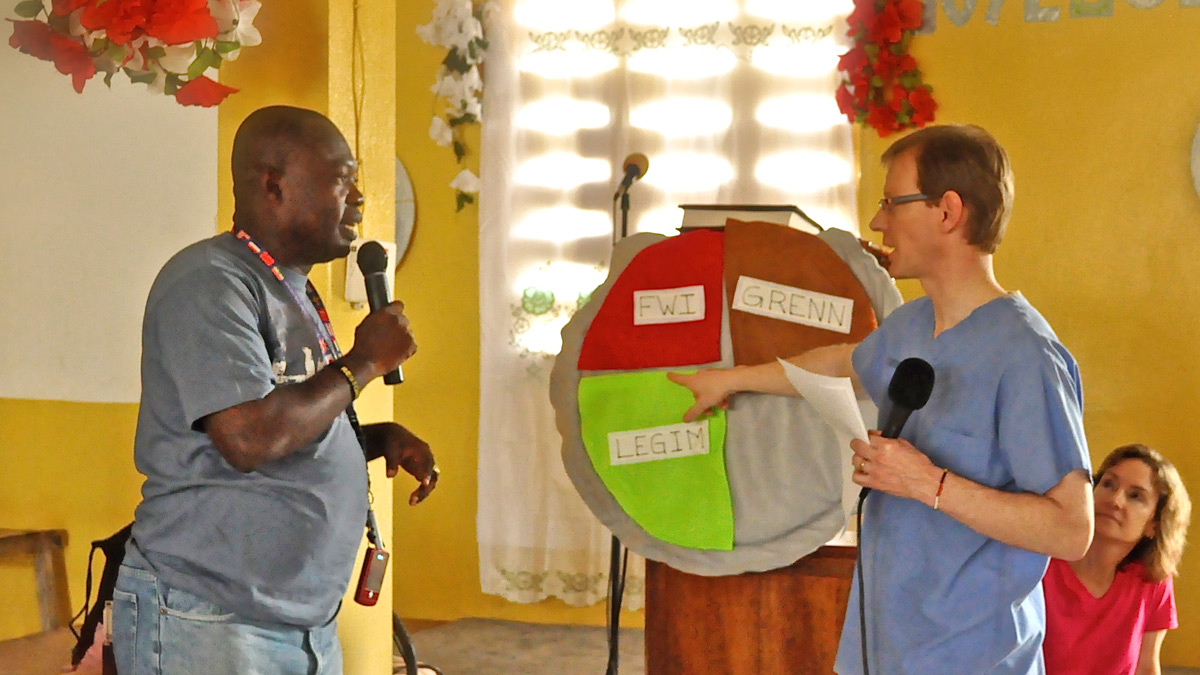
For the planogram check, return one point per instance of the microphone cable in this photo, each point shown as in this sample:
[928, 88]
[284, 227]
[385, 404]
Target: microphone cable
[862, 598]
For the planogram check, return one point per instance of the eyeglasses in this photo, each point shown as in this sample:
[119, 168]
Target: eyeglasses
[887, 203]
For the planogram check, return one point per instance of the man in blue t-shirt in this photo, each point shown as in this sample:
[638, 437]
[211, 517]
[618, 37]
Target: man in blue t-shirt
[991, 477]
[255, 498]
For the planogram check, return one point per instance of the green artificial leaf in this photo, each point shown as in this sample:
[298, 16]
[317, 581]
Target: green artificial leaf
[467, 118]
[144, 77]
[205, 59]
[910, 79]
[59, 24]
[108, 78]
[876, 82]
[226, 46]
[115, 52]
[460, 151]
[455, 62]
[155, 53]
[463, 199]
[872, 51]
[171, 85]
[29, 9]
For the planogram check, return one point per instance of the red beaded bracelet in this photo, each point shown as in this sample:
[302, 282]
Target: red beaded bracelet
[937, 498]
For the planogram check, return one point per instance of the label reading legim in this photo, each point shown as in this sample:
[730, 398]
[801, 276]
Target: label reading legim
[657, 443]
[793, 304]
[668, 305]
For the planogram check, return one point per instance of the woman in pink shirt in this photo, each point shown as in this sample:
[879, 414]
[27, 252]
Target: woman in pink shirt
[1109, 611]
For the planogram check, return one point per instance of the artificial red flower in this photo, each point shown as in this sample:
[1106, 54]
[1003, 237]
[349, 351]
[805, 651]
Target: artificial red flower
[180, 21]
[203, 92]
[887, 29]
[65, 7]
[910, 12]
[883, 119]
[72, 58]
[862, 16]
[853, 60]
[121, 20]
[32, 38]
[887, 86]
[921, 99]
[886, 65]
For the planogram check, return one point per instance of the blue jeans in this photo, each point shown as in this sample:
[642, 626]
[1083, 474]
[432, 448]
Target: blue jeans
[159, 630]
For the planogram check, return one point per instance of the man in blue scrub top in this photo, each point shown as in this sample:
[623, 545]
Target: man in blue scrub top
[991, 477]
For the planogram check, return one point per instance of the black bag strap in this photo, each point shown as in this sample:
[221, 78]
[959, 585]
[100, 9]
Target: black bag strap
[114, 553]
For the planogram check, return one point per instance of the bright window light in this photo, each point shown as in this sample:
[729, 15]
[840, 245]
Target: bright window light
[562, 116]
[804, 171]
[562, 224]
[802, 112]
[567, 280]
[798, 11]
[550, 15]
[683, 116]
[559, 65]
[687, 63]
[689, 172]
[562, 170]
[672, 12]
[830, 218]
[662, 221]
[803, 60]
[544, 335]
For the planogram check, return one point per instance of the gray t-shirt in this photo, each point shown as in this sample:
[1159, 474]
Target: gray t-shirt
[276, 544]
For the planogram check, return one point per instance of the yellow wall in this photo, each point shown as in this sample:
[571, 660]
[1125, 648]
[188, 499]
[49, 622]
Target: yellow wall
[1098, 116]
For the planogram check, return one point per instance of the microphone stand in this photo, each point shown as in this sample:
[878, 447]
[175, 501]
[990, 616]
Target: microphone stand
[616, 570]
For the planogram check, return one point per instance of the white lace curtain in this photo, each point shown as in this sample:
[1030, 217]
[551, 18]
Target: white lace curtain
[733, 103]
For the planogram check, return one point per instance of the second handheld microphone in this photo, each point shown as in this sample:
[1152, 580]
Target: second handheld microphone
[373, 262]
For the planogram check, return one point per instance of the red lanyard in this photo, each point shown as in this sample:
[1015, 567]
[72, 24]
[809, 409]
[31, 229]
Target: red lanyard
[329, 350]
[329, 345]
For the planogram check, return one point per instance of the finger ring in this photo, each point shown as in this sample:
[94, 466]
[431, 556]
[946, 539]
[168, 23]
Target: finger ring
[862, 466]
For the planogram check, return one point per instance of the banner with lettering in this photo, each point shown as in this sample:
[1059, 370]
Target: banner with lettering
[668, 475]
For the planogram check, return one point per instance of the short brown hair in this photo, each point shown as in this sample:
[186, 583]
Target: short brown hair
[969, 161]
[1162, 552]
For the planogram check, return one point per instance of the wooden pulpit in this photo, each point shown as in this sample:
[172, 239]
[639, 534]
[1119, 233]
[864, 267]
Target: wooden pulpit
[782, 622]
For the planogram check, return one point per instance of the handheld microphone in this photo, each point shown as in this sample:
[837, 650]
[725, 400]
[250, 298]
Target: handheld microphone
[635, 166]
[909, 390]
[373, 262]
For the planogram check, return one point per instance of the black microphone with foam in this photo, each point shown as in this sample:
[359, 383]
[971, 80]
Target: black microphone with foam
[373, 262]
[909, 390]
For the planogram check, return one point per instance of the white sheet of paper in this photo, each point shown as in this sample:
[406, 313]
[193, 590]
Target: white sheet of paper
[834, 400]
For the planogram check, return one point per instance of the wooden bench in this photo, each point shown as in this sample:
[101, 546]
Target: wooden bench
[54, 601]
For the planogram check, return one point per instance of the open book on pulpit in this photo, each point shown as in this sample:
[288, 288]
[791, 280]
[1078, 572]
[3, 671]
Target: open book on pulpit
[697, 216]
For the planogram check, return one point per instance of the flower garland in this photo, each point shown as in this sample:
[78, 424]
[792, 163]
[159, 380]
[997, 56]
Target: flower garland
[881, 85]
[168, 45]
[457, 25]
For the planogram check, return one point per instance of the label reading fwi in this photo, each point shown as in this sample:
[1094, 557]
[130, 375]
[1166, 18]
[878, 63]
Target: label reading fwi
[793, 304]
[657, 443]
[668, 305]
